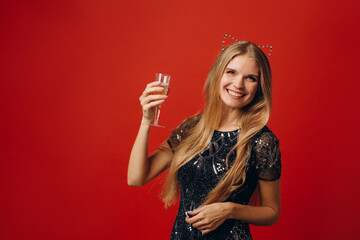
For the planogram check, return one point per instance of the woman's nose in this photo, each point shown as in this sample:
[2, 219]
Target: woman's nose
[239, 82]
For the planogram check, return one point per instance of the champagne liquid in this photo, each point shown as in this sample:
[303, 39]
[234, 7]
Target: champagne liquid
[163, 80]
[166, 88]
[165, 91]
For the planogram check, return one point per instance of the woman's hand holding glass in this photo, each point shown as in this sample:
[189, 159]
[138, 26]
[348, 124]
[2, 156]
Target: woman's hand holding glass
[150, 100]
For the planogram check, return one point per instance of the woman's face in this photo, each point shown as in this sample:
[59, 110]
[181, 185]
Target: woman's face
[239, 82]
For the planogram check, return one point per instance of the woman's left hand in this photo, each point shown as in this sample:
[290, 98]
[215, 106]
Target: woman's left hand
[209, 217]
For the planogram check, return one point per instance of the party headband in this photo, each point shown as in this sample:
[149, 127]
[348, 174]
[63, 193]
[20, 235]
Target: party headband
[234, 38]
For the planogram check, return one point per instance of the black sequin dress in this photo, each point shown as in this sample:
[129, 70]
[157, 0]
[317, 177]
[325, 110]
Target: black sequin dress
[202, 173]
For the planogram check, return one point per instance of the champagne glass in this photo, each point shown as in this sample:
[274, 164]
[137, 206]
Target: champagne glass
[164, 80]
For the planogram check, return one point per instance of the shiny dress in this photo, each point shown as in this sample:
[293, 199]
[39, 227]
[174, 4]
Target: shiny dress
[202, 173]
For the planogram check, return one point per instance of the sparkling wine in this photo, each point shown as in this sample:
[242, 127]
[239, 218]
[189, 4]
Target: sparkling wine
[166, 89]
[164, 81]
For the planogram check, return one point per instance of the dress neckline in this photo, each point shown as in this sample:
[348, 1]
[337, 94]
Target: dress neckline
[233, 131]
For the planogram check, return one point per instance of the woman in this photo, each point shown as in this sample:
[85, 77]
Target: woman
[218, 157]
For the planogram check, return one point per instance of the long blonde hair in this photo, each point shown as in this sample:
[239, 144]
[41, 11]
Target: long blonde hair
[253, 118]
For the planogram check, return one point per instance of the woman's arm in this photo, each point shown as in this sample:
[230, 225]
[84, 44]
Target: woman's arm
[142, 168]
[267, 213]
[210, 217]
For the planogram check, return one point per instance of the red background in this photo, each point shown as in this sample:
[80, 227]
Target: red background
[72, 71]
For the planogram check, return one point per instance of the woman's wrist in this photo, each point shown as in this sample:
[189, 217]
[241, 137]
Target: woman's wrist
[232, 210]
[229, 209]
[145, 122]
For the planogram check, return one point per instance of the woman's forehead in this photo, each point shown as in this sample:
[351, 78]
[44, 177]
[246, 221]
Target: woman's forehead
[243, 62]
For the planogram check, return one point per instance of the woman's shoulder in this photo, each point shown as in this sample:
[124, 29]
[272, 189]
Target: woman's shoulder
[179, 133]
[264, 137]
[266, 155]
[189, 123]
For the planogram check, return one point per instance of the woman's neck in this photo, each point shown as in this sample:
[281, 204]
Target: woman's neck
[230, 120]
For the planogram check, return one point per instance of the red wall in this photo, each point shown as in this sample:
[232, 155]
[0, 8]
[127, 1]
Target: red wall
[71, 73]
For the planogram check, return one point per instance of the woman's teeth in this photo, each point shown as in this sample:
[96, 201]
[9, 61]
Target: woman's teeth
[235, 94]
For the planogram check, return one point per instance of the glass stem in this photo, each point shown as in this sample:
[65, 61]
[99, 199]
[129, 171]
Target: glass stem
[157, 114]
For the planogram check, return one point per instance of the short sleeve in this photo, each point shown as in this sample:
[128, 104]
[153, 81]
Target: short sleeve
[182, 131]
[266, 156]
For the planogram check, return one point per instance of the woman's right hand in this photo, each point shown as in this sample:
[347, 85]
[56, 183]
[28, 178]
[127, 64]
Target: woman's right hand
[149, 100]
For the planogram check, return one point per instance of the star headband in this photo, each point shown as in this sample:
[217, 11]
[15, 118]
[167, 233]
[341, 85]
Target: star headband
[236, 40]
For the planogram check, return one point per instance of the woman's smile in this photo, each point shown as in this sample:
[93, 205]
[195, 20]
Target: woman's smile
[235, 93]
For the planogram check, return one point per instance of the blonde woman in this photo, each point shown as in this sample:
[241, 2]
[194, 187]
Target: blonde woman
[217, 158]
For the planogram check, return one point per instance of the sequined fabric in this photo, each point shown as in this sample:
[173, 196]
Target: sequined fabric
[203, 172]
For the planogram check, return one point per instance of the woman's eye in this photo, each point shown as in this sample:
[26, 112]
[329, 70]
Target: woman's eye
[230, 72]
[252, 78]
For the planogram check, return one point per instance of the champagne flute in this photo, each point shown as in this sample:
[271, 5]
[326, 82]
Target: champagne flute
[164, 80]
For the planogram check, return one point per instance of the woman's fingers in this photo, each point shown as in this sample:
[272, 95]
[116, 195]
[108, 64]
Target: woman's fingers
[153, 104]
[203, 226]
[152, 84]
[151, 94]
[200, 225]
[152, 87]
[195, 220]
[205, 231]
[196, 211]
[152, 98]
[199, 222]
[152, 90]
